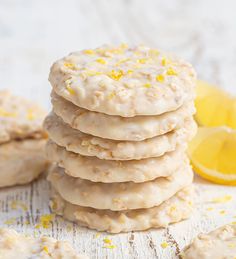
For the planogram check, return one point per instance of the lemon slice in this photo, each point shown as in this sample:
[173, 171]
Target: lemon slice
[213, 154]
[214, 106]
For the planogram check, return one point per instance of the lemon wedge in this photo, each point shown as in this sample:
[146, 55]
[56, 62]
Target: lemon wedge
[214, 106]
[213, 154]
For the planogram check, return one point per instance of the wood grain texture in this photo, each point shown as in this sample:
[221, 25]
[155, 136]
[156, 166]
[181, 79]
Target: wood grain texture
[35, 33]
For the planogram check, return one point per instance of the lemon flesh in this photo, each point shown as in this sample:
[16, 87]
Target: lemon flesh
[214, 106]
[213, 154]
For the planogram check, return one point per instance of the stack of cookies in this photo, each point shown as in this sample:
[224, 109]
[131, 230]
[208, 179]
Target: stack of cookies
[118, 133]
[22, 140]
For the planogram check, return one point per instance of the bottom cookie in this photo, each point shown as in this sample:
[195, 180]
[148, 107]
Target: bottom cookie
[218, 244]
[14, 245]
[177, 208]
[21, 161]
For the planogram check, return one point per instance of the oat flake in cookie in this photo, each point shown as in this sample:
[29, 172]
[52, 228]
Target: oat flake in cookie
[123, 80]
[14, 245]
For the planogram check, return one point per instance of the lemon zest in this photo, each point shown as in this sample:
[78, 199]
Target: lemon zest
[4, 113]
[116, 75]
[147, 85]
[107, 241]
[71, 66]
[10, 221]
[89, 52]
[101, 61]
[164, 245]
[171, 72]
[223, 199]
[160, 78]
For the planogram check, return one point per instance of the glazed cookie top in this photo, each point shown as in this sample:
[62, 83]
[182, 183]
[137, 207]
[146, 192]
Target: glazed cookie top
[123, 80]
[14, 245]
[19, 118]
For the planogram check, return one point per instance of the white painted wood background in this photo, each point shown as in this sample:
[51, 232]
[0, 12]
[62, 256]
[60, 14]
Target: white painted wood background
[35, 33]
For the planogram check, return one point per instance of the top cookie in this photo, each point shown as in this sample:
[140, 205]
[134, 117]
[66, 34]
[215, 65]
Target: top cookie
[19, 118]
[124, 81]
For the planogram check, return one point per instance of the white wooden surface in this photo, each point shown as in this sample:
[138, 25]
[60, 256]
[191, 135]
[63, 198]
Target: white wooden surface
[35, 33]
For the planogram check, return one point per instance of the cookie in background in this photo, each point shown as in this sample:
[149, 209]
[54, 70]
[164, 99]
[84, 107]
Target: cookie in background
[22, 140]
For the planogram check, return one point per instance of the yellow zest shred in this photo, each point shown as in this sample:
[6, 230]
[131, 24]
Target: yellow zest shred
[71, 66]
[69, 88]
[160, 78]
[111, 95]
[222, 212]
[222, 199]
[101, 61]
[89, 52]
[31, 115]
[18, 205]
[164, 245]
[10, 221]
[172, 208]
[116, 75]
[147, 85]
[45, 221]
[165, 61]
[142, 60]
[45, 249]
[234, 222]
[107, 241]
[4, 113]
[171, 72]
[129, 72]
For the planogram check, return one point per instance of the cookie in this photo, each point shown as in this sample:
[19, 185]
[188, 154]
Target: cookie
[175, 209]
[21, 161]
[218, 244]
[120, 128]
[19, 118]
[108, 171]
[119, 196]
[88, 145]
[14, 245]
[124, 81]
